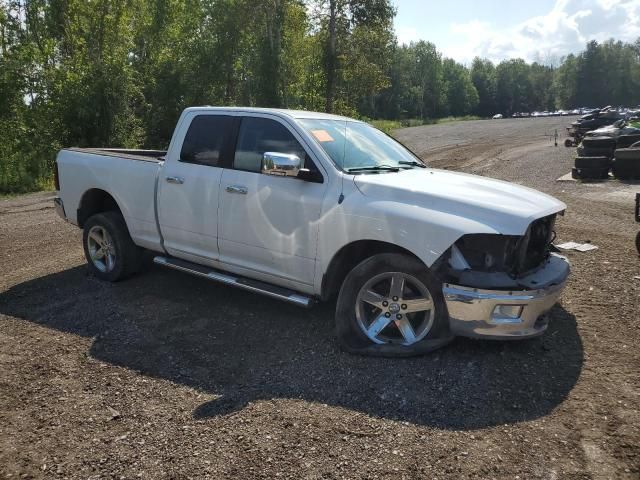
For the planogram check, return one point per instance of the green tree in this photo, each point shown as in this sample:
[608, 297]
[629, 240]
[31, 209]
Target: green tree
[483, 76]
[337, 19]
[461, 94]
[565, 82]
[119, 72]
[542, 92]
[513, 86]
[427, 76]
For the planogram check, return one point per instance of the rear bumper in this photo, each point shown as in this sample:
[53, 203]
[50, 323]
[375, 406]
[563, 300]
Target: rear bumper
[503, 315]
[59, 206]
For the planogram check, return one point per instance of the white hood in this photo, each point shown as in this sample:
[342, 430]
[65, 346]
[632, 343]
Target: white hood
[504, 207]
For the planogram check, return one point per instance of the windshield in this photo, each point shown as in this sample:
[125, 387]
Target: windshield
[357, 146]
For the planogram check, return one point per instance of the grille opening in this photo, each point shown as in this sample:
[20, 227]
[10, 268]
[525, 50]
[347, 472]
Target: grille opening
[514, 255]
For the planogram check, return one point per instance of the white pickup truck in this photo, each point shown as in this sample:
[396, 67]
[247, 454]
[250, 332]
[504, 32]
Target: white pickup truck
[304, 206]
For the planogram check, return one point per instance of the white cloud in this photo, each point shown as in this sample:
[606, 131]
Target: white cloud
[565, 29]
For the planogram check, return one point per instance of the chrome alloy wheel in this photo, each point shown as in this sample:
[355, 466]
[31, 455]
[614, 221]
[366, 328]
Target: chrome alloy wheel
[101, 249]
[395, 307]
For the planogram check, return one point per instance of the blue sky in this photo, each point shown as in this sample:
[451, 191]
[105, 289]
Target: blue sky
[541, 30]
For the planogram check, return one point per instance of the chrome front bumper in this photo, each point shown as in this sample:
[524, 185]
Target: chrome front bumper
[503, 315]
[59, 206]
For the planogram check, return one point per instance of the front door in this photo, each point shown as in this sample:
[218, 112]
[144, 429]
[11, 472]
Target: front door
[268, 224]
[188, 189]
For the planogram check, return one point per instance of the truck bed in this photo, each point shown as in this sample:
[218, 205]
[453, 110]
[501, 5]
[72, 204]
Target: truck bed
[128, 176]
[130, 154]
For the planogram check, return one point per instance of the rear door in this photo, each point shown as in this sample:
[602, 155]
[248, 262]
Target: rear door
[188, 187]
[269, 224]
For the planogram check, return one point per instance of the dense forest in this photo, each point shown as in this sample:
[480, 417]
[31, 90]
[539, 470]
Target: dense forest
[118, 72]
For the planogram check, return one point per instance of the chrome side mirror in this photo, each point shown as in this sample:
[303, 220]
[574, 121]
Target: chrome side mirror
[282, 164]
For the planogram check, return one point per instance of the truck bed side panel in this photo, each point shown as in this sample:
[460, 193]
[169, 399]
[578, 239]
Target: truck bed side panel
[131, 183]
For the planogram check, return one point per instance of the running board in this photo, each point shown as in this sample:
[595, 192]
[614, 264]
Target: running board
[255, 286]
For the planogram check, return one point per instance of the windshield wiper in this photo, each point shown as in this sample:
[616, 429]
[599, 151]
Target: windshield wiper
[375, 168]
[413, 164]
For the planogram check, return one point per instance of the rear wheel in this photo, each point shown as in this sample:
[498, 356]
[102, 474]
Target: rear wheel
[108, 247]
[390, 305]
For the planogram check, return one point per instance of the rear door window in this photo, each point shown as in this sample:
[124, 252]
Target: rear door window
[205, 141]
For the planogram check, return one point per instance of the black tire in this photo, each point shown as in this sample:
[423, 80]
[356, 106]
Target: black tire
[638, 242]
[352, 337]
[127, 255]
[625, 141]
[628, 163]
[595, 152]
[599, 142]
[590, 173]
[632, 154]
[625, 171]
[568, 142]
[593, 162]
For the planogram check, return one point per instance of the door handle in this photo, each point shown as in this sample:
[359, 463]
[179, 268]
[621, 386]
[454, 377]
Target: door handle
[176, 180]
[237, 189]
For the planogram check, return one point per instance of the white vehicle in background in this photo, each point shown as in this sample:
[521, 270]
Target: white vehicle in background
[497, 116]
[304, 207]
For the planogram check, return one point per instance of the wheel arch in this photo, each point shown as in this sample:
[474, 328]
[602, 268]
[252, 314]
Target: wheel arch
[351, 255]
[95, 200]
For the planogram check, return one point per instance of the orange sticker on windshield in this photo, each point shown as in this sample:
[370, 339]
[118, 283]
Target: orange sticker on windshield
[322, 135]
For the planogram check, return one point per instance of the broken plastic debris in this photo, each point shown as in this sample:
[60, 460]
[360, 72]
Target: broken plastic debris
[568, 245]
[586, 247]
[580, 247]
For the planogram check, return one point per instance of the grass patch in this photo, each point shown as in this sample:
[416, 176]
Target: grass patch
[46, 184]
[466, 118]
[389, 126]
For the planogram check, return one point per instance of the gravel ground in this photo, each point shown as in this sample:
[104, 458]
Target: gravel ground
[165, 376]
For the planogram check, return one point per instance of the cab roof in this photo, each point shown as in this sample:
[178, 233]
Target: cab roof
[295, 114]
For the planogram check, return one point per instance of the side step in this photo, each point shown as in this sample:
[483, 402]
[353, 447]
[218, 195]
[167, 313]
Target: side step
[255, 286]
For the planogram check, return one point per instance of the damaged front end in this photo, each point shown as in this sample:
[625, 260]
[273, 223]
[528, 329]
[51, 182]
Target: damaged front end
[501, 286]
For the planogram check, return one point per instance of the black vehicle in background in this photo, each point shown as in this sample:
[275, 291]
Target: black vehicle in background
[591, 121]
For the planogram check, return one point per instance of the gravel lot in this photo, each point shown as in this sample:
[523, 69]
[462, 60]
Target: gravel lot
[165, 376]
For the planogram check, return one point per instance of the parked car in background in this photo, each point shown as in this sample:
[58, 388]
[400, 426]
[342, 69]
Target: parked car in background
[305, 207]
[497, 116]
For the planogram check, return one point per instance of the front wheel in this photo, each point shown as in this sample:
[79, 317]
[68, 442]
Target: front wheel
[108, 247]
[391, 305]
